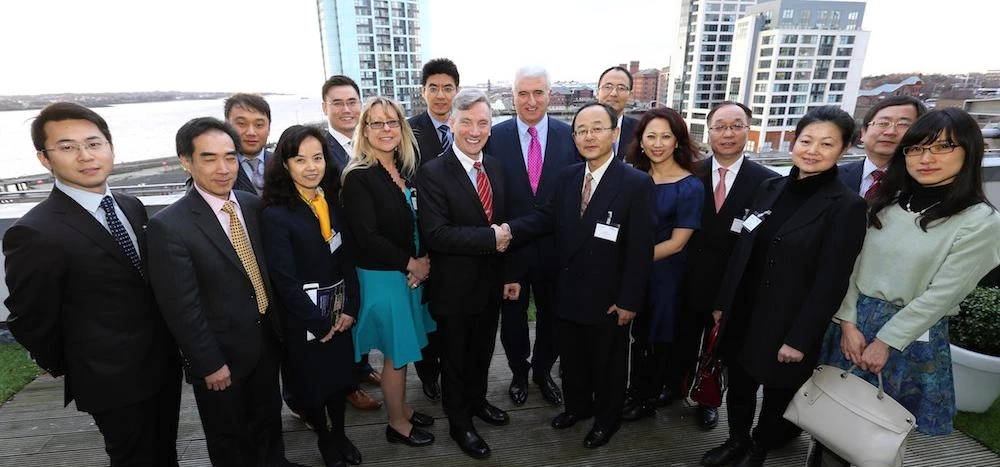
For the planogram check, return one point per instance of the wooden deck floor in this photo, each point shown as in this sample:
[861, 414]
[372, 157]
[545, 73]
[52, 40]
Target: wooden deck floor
[35, 430]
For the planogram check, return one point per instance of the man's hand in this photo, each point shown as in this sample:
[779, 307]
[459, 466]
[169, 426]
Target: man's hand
[624, 316]
[852, 342]
[219, 380]
[503, 236]
[789, 354]
[511, 291]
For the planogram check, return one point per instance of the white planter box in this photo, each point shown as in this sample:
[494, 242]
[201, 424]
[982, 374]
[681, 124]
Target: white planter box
[977, 379]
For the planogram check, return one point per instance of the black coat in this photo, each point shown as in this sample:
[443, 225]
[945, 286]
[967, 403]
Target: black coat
[626, 136]
[379, 221]
[429, 143]
[808, 265]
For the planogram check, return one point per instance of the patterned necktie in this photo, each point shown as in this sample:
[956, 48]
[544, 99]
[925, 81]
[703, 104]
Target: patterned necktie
[445, 134]
[877, 176]
[241, 243]
[585, 195]
[484, 190]
[258, 177]
[534, 160]
[121, 235]
[720, 189]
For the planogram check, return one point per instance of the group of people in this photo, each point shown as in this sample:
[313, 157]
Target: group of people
[427, 234]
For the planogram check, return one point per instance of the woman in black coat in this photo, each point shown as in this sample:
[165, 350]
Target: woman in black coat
[301, 225]
[786, 278]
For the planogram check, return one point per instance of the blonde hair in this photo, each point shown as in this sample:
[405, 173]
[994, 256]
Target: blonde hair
[405, 154]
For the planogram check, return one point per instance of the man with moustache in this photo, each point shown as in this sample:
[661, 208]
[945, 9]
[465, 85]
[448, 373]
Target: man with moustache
[614, 88]
[250, 115]
[883, 127]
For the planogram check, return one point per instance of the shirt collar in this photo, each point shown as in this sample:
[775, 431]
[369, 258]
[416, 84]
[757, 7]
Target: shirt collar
[542, 127]
[734, 168]
[86, 199]
[466, 161]
[437, 123]
[869, 166]
[343, 140]
[261, 155]
[597, 174]
[215, 203]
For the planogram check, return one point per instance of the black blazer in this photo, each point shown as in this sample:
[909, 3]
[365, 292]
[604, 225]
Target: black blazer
[560, 152]
[428, 142]
[850, 174]
[81, 309]
[593, 273]
[709, 247]
[626, 136]
[243, 182]
[338, 154]
[204, 292]
[379, 221]
[467, 272]
[809, 263]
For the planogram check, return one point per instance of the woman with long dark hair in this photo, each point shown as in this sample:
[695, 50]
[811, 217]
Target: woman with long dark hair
[932, 235]
[302, 226]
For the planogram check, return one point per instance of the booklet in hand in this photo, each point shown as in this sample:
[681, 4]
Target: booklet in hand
[329, 300]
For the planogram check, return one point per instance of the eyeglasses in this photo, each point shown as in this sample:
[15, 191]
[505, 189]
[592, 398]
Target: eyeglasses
[73, 148]
[381, 125]
[434, 89]
[621, 88]
[595, 131]
[883, 125]
[723, 128]
[348, 104]
[936, 148]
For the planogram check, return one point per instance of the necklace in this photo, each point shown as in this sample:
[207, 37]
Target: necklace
[922, 211]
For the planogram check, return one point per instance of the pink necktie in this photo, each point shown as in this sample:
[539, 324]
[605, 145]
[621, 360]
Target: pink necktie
[720, 189]
[877, 176]
[534, 160]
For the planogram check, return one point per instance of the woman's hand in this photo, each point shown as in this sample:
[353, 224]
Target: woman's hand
[874, 357]
[344, 323]
[417, 269]
[852, 342]
[788, 354]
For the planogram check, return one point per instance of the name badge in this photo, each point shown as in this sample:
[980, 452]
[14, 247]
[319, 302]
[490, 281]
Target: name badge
[751, 223]
[737, 225]
[606, 232]
[335, 242]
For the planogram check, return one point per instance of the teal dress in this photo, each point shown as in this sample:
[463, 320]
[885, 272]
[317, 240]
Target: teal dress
[393, 318]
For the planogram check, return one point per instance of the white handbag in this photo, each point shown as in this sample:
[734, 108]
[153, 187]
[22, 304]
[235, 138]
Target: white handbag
[852, 418]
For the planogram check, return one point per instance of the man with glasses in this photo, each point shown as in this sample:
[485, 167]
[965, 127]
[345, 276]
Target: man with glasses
[614, 88]
[883, 127]
[730, 180]
[80, 300]
[250, 115]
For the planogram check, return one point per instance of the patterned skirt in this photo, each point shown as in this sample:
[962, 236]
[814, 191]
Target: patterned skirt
[919, 377]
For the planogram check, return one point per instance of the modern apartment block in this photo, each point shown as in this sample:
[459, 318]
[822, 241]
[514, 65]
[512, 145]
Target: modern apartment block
[377, 43]
[791, 56]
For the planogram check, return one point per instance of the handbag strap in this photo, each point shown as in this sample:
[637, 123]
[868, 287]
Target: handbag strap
[881, 392]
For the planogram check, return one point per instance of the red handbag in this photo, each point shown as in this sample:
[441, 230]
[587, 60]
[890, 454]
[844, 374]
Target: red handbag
[708, 382]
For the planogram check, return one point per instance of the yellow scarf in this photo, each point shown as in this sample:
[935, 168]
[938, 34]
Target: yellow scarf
[321, 210]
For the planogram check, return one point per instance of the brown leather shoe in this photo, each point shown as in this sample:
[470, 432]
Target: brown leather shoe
[372, 378]
[362, 401]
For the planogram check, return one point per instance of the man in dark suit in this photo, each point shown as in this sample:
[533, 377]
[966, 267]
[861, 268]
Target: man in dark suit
[79, 299]
[601, 213]
[208, 271]
[439, 81]
[462, 199]
[532, 148]
[730, 181]
[614, 88]
[883, 127]
[250, 115]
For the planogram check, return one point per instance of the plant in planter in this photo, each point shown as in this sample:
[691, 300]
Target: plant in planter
[975, 350]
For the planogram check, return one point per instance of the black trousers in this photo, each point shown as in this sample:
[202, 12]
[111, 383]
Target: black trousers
[429, 366]
[593, 363]
[514, 328]
[772, 430]
[144, 433]
[242, 423]
[467, 343]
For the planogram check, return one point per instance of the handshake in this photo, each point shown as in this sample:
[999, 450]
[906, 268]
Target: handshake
[503, 236]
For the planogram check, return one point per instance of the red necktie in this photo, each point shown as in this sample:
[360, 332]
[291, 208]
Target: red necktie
[484, 190]
[720, 189]
[877, 176]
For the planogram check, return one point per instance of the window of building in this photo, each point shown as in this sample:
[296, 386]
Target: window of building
[801, 87]
[801, 76]
[708, 48]
[711, 27]
[766, 52]
[760, 87]
[778, 110]
[835, 98]
[779, 99]
[783, 76]
[797, 99]
[790, 39]
[785, 63]
[763, 64]
[763, 76]
[808, 40]
[841, 63]
[786, 51]
[758, 99]
[798, 110]
[775, 121]
[709, 37]
[722, 86]
[846, 40]
[766, 40]
[726, 37]
[781, 88]
[707, 57]
[839, 75]
[757, 110]
[713, 6]
[836, 87]
[787, 14]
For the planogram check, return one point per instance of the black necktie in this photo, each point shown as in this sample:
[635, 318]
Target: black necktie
[121, 235]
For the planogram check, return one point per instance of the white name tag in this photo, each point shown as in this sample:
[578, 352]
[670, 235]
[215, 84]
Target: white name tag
[925, 337]
[335, 242]
[606, 232]
[751, 223]
[737, 226]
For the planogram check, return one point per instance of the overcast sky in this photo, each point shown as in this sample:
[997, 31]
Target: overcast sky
[271, 45]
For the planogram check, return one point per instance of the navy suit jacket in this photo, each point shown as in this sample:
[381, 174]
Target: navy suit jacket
[429, 143]
[337, 152]
[560, 152]
[850, 174]
[626, 136]
[243, 182]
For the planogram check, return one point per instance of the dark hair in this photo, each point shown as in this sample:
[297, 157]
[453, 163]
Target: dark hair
[831, 114]
[892, 102]
[965, 191]
[195, 128]
[59, 111]
[722, 104]
[611, 113]
[685, 151]
[279, 188]
[439, 66]
[249, 102]
[616, 68]
[339, 80]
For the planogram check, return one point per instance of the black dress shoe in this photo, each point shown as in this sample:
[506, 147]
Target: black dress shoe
[754, 457]
[518, 390]
[421, 419]
[598, 437]
[638, 411]
[708, 417]
[550, 391]
[417, 437]
[730, 451]
[348, 451]
[491, 414]
[471, 443]
[566, 420]
[432, 390]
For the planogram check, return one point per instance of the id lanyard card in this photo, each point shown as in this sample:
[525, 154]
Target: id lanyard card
[607, 230]
[754, 220]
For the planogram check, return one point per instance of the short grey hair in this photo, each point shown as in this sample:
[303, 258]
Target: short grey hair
[468, 97]
[531, 71]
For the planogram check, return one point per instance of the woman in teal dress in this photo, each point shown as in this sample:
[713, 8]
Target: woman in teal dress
[381, 208]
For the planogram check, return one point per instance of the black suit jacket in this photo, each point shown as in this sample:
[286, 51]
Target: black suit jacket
[560, 152]
[467, 272]
[626, 136]
[850, 174]
[243, 182]
[809, 263]
[709, 247]
[205, 294]
[337, 152]
[428, 141]
[594, 273]
[81, 309]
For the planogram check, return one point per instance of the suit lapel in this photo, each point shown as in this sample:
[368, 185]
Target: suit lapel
[741, 191]
[74, 216]
[208, 223]
[461, 177]
[600, 200]
[553, 151]
[767, 200]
